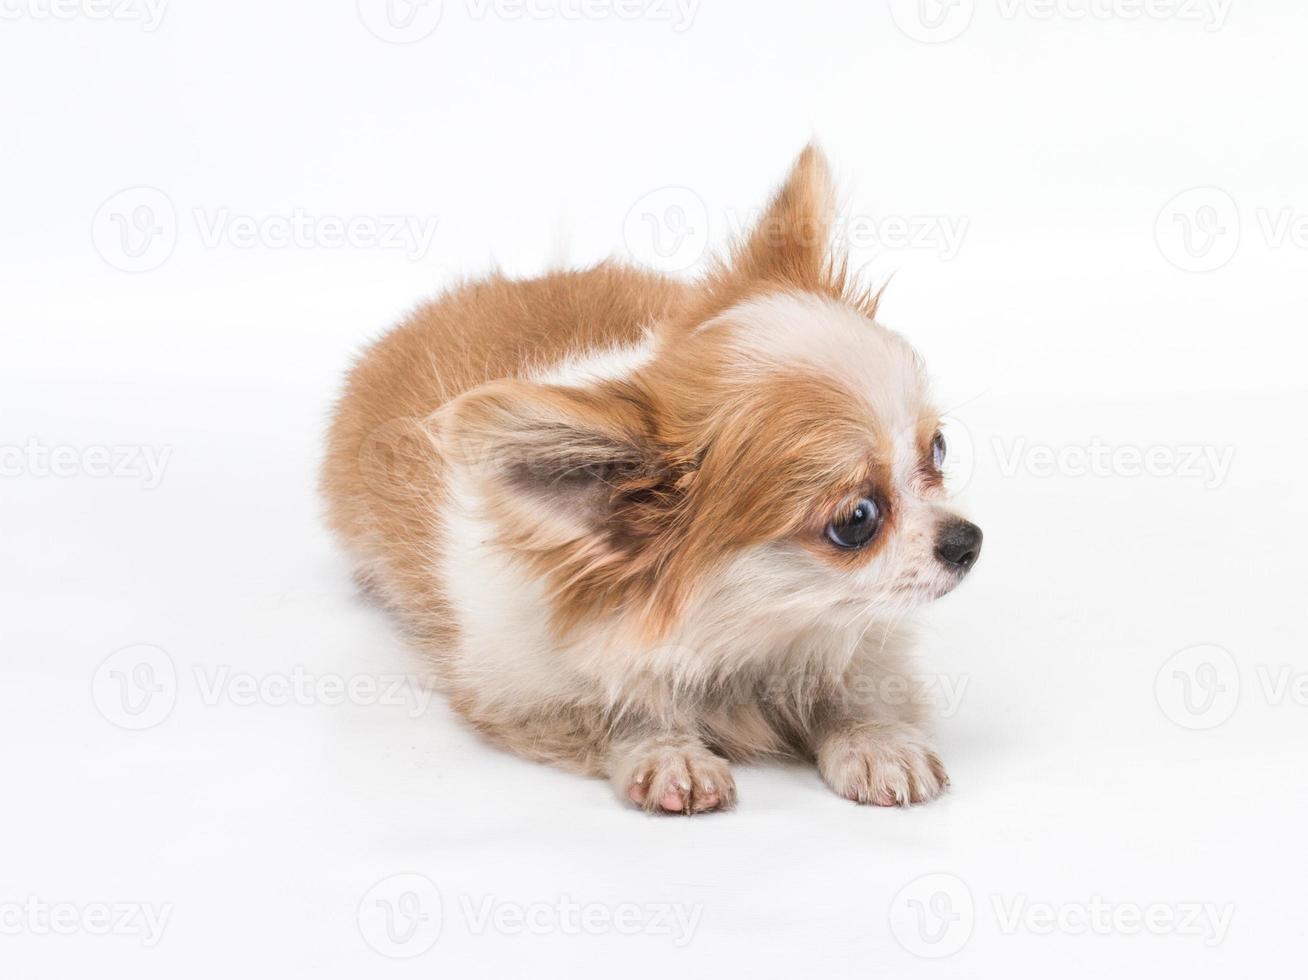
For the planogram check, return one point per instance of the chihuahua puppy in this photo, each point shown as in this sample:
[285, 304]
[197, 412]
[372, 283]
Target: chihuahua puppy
[645, 527]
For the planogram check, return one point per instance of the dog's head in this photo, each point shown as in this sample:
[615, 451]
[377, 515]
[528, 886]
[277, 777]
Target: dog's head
[771, 448]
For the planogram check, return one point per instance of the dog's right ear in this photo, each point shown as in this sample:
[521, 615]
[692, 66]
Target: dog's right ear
[791, 243]
[547, 458]
[790, 247]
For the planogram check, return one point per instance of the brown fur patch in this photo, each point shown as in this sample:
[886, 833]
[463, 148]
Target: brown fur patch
[481, 332]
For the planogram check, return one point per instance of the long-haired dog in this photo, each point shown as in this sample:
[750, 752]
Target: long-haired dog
[644, 526]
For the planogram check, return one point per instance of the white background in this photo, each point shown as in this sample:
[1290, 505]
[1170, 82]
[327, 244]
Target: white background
[1087, 310]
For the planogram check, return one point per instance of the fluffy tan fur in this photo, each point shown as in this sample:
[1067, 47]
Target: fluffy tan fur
[600, 500]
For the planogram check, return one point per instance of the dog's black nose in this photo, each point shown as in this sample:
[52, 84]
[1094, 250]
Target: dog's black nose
[959, 544]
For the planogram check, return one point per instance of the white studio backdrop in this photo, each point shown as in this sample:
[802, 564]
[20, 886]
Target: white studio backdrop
[218, 758]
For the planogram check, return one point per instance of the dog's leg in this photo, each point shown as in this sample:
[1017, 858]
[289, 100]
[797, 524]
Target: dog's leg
[885, 763]
[868, 735]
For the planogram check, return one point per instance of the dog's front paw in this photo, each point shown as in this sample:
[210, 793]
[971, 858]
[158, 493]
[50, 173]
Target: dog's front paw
[683, 778]
[885, 765]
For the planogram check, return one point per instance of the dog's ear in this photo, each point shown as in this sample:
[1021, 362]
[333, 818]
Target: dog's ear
[791, 243]
[547, 458]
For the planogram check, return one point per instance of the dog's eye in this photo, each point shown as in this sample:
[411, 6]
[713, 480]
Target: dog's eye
[938, 450]
[855, 527]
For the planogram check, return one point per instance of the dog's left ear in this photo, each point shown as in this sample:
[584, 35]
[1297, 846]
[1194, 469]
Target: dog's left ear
[791, 244]
[548, 457]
